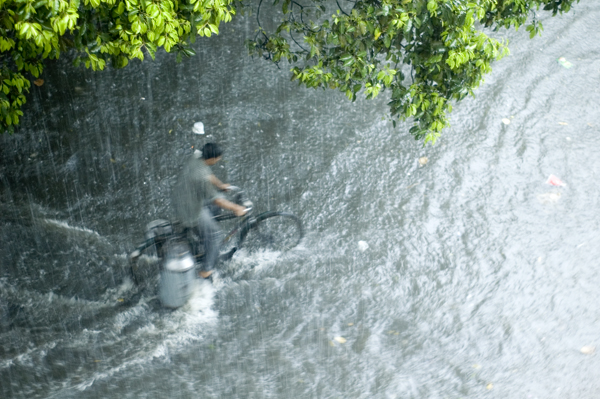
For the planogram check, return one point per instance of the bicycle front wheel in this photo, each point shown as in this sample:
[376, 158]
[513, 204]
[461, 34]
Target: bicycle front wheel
[272, 231]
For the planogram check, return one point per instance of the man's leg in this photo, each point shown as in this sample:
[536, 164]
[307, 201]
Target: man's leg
[212, 241]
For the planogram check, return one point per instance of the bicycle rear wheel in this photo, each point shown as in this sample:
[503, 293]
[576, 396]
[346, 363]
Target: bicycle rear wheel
[273, 231]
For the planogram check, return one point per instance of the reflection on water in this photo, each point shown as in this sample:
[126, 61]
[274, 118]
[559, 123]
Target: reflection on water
[446, 271]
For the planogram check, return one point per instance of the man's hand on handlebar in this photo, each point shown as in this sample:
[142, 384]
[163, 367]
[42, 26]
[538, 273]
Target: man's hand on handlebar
[240, 210]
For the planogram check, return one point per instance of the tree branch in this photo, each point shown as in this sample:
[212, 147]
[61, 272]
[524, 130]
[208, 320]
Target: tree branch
[341, 9]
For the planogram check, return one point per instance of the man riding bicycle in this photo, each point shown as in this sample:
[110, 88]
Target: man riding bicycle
[195, 191]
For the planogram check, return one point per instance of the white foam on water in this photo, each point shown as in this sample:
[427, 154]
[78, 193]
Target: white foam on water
[188, 322]
[261, 259]
[126, 317]
[176, 331]
[202, 300]
[66, 226]
[125, 286]
[74, 230]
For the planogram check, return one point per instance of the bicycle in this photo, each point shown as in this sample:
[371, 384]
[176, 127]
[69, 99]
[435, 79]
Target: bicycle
[270, 230]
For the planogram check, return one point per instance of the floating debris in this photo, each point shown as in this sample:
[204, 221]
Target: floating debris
[363, 246]
[489, 386]
[506, 121]
[549, 198]
[423, 161]
[555, 181]
[198, 128]
[563, 123]
[563, 61]
[350, 324]
[341, 340]
[38, 82]
[588, 349]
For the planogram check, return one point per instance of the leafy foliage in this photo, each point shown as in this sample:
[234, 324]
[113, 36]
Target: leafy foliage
[426, 53]
[101, 31]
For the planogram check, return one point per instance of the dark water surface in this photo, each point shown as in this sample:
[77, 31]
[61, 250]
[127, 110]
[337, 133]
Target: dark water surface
[479, 280]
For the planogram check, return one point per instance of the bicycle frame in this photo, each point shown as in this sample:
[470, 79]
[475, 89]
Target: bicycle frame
[245, 221]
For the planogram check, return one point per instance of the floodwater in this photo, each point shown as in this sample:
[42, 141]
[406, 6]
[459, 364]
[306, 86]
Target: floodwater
[467, 277]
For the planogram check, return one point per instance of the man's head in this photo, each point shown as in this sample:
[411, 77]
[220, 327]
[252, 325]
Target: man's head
[211, 151]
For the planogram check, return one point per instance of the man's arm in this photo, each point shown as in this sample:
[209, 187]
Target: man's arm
[218, 183]
[235, 208]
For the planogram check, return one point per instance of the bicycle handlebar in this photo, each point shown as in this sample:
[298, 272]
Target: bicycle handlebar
[240, 199]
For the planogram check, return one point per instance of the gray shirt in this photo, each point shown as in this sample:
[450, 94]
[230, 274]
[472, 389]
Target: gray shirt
[193, 191]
